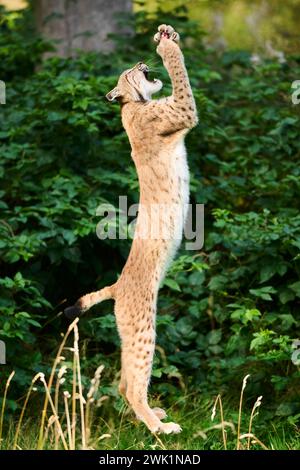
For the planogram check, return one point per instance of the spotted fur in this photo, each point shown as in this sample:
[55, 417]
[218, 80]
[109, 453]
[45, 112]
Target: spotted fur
[156, 131]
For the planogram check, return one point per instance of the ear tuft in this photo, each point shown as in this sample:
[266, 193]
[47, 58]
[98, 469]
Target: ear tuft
[113, 94]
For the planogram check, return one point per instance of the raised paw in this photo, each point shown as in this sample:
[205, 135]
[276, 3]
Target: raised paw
[160, 413]
[175, 37]
[169, 428]
[166, 31]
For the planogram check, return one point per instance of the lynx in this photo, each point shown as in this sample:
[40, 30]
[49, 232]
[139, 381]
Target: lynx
[156, 130]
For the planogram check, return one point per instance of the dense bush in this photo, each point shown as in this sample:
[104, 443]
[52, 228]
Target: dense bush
[225, 311]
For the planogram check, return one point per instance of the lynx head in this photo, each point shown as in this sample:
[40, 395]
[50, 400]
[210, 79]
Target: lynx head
[134, 85]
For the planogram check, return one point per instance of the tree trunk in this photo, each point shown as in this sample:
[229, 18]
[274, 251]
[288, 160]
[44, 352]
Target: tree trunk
[81, 24]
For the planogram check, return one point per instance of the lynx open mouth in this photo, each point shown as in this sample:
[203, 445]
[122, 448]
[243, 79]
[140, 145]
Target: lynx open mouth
[146, 74]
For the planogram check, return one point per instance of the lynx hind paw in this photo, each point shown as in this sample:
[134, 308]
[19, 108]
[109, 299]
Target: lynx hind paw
[159, 412]
[166, 31]
[169, 428]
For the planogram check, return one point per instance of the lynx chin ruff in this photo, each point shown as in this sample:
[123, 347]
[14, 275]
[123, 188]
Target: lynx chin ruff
[156, 130]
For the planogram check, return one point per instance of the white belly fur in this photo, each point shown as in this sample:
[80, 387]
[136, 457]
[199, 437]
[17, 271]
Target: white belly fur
[180, 172]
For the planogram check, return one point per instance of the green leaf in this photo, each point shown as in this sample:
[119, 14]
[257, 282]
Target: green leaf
[157, 372]
[286, 295]
[262, 338]
[251, 314]
[295, 287]
[217, 282]
[172, 284]
[214, 336]
[263, 292]
[267, 272]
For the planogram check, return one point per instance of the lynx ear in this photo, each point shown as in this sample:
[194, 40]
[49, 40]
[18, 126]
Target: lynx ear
[113, 94]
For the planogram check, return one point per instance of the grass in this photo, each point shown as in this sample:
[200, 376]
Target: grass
[74, 417]
[120, 431]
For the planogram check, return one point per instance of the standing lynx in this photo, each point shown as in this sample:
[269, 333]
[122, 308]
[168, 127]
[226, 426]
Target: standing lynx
[156, 131]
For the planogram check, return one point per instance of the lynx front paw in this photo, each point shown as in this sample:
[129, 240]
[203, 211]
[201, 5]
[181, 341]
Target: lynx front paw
[166, 31]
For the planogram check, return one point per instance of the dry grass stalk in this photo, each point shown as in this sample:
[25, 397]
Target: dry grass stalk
[49, 426]
[59, 381]
[81, 397]
[66, 397]
[4, 401]
[50, 382]
[223, 424]
[74, 388]
[59, 428]
[95, 383]
[219, 400]
[255, 407]
[53, 430]
[255, 441]
[35, 378]
[240, 410]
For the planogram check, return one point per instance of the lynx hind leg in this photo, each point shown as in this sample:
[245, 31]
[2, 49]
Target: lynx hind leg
[138, 365]
[123, 381]
[159, 412]
[166, 31]
[137, 334]
[137, 398]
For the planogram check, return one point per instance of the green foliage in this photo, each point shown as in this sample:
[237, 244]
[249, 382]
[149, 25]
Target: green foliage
[225, 311]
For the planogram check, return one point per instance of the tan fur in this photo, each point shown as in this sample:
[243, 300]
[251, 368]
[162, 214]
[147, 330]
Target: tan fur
[156, 131]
